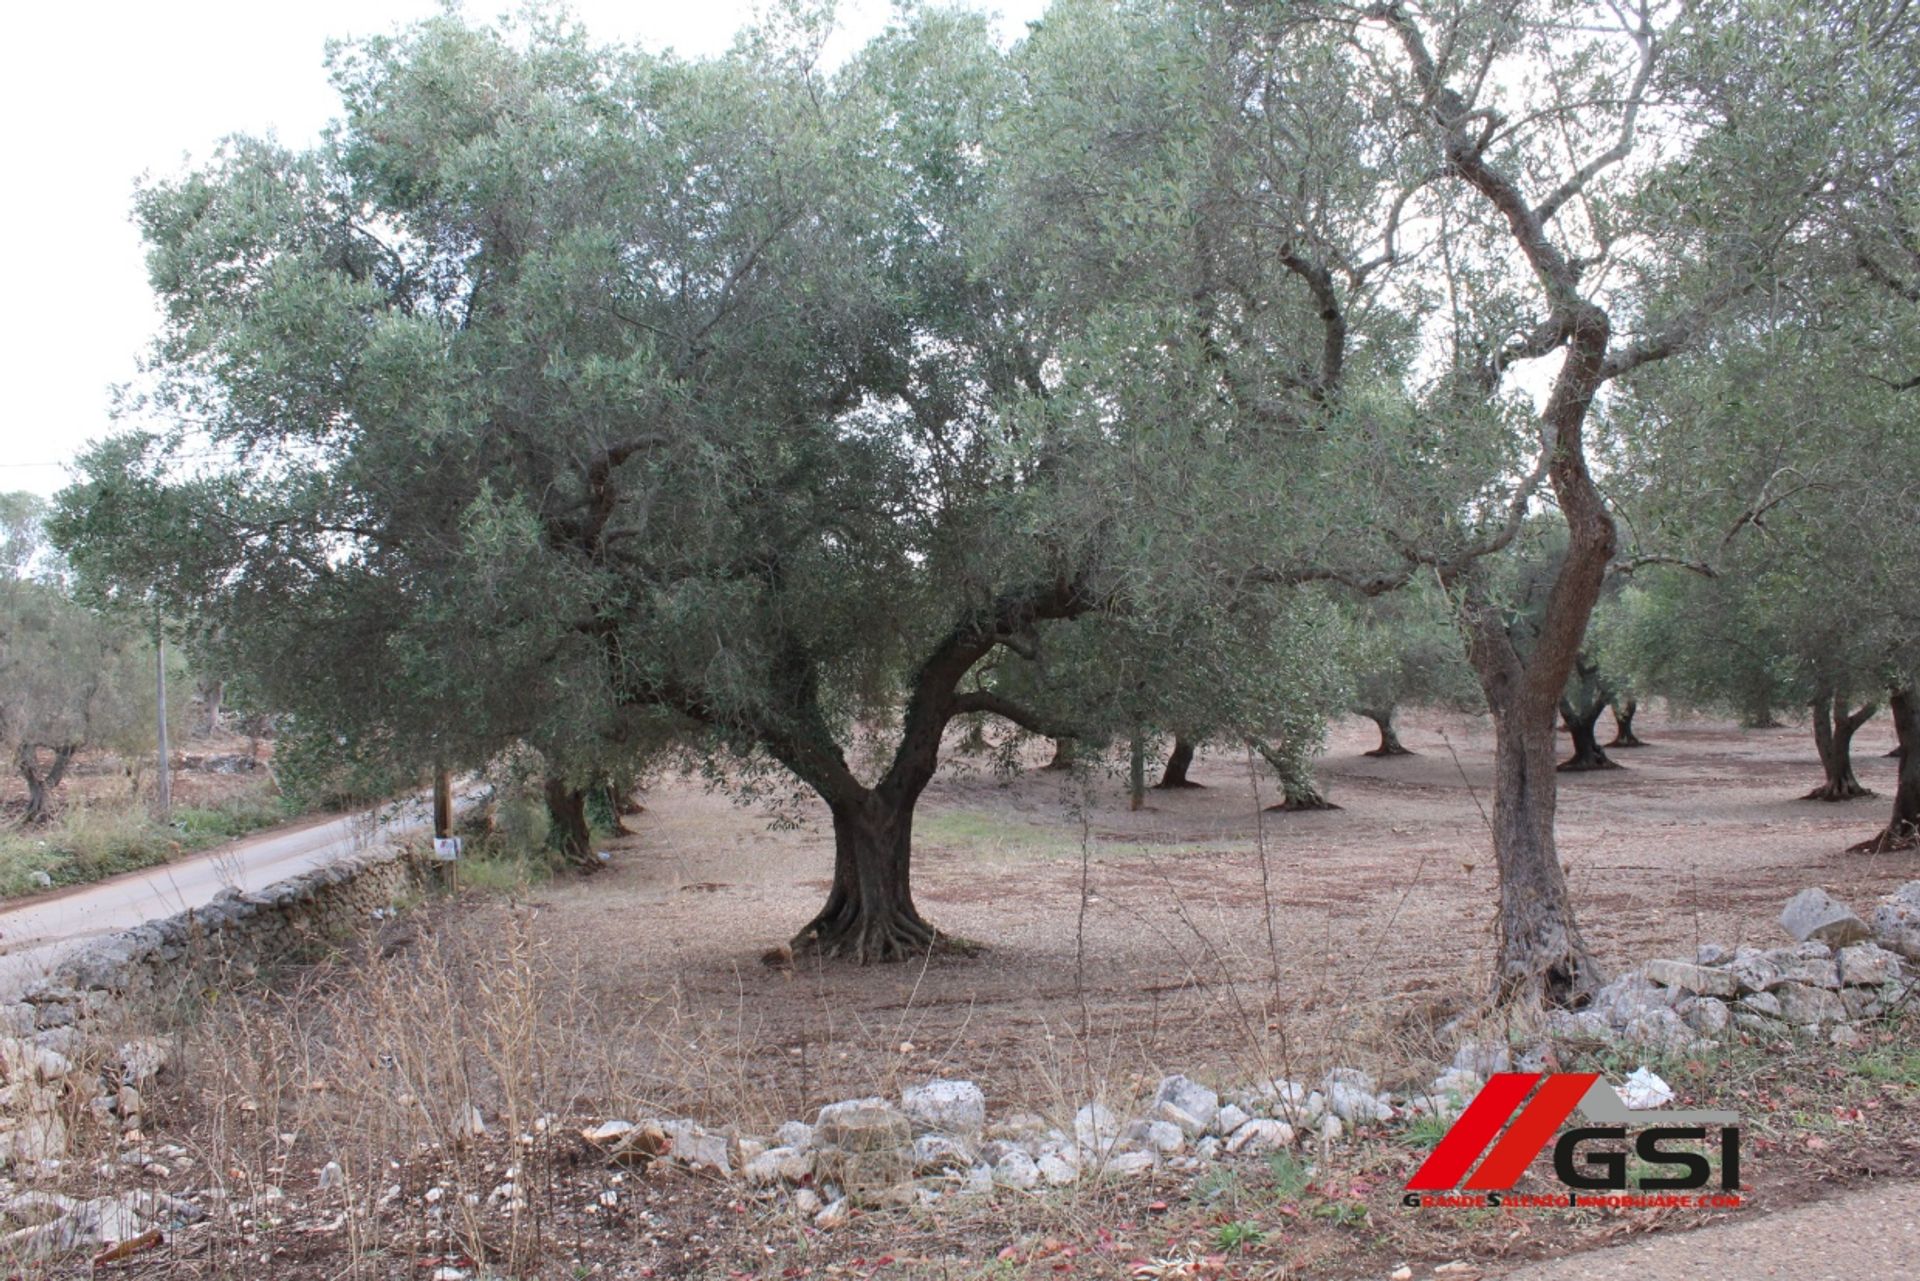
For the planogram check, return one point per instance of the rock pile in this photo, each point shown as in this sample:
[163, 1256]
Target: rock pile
[938, 1140]
[1841, 970]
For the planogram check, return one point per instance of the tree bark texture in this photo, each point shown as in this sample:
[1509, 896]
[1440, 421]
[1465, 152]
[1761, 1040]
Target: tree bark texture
[1390, 744]
[1179, 761]
[1584, 726]
[1903, 828]
[1833, 730]
[567, 815]
[1624, 710]
[42, 782]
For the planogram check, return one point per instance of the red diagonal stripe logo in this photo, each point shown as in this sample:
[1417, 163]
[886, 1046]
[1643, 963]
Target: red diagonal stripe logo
[1558, 1096]
[1469, 1136]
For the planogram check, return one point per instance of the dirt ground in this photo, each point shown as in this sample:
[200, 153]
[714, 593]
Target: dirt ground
[640, 991]
[1380, 923]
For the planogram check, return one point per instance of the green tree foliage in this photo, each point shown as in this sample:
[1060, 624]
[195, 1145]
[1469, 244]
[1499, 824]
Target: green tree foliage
[70, 677]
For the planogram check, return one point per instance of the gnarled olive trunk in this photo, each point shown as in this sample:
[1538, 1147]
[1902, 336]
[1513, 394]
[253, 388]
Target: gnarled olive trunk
[1390, 744]
[1833, 730]
[1624, 710]
[1903, 828]
[1179, 761]
[42, 783]
[869, 914]
[1065, 752]
[567, 819]
[1298, 792]
[1542, 954]
[1584, 727]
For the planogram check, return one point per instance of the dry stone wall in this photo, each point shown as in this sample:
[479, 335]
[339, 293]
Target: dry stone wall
[235, 934]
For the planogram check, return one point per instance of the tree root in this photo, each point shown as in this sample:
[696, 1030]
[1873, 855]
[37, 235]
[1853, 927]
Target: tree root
[1892, 839]
[1627, 740]
[870, 939]
[1179, 784]
[1390, 749]
[1302, 805]
[1850, 790]
[1585, 765]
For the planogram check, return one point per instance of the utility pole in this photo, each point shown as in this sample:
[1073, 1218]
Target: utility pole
[163, 784]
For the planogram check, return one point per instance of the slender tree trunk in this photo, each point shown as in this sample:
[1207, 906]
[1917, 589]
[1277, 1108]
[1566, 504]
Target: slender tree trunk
[1390, 744]
[1624, 710]
[974, 741]
[1179, 761]
[567, 814]
[41, 785]
[1833, 730]
[1903, 828]
[1065, 752]
[1584, 726]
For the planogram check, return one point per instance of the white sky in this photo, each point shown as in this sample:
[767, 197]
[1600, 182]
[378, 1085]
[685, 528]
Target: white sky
[98, 94]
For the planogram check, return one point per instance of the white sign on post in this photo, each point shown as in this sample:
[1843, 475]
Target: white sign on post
[446, 849]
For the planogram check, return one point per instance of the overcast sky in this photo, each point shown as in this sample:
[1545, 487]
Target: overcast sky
[96, 95]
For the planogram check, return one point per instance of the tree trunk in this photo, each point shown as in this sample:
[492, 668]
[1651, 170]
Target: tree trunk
[567, 814]
[1624, 710]
[42, 785]
[1390, 744]
[1543, 957]
[974, 741]
[1179, 760]
[1297, 789]
[1584, 726]
[1065, 752]
[870, 916]
[1833, 730]
[1903, 829]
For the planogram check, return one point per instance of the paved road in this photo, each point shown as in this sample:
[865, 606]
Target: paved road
[1863, 1235]
[38, 932]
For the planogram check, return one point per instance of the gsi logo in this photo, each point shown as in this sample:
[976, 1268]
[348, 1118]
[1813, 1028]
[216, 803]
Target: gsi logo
[1559, 1094]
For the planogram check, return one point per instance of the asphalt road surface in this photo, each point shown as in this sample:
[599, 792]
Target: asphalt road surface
[1868, 1234]
[36, 933]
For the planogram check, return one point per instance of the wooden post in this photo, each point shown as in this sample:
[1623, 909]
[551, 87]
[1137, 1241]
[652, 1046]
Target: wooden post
[442, 803]
[1137, 771]
[163, 784]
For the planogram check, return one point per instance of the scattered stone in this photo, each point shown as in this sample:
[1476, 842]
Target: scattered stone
[687, 1143]
[1016, 1170]
[1805, 1006]
[862, 1125]
[807, 1201]
[933, 1153]
[1753, 971]
[1813, 914]
[1096, 1131]
[1351, 1102]
[778, 1165]
[1710, 954]
[607, 1132]
[332, 1176]
[1231, 1118]
[1896, 921]
[1057, 1170]
[1482, 1058]
[1708, 1016]
[1698, 979]
[949, 1107]
[143, 1059]
[1261, 1135]
[833, 1215]
[1765, 1003]
[1331, 1129]
[1128, 1164]
[797, 1135]
[1188, 1104]
[1868, 964]
[469, 1124]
